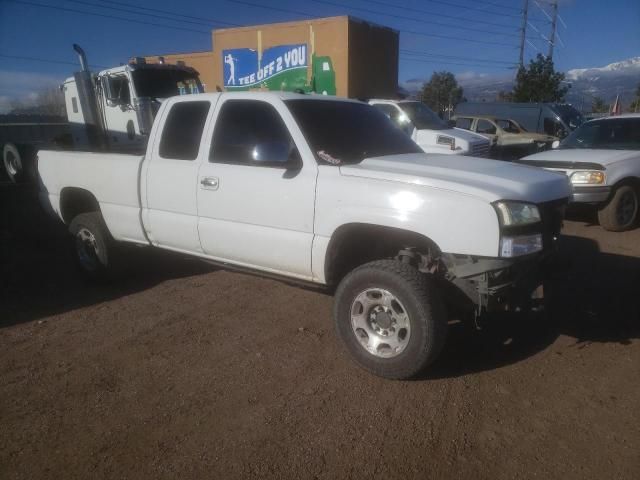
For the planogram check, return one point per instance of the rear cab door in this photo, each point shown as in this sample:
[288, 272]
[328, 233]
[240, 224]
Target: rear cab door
[256, 187]
[169, 175]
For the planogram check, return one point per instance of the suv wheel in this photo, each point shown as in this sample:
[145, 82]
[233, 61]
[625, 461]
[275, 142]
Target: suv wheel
[621, 212]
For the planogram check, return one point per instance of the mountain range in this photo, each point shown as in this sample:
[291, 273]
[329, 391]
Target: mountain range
[618, 78]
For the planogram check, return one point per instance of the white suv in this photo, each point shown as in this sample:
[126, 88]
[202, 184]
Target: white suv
[429, 131]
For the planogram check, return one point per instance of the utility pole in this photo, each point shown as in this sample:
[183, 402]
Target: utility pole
[554, 19]
[523, 32]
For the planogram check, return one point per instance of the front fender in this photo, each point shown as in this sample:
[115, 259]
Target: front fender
[455, 222]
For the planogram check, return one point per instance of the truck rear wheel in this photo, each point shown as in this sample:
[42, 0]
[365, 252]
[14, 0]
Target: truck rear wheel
[391, 318]
[621, 212]
[12, 161]
[94, 246]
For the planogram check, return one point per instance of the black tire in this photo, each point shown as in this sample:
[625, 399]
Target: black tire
[417, 294]
[19, 162]
[12, 163]
[95, 249]
[621, 211]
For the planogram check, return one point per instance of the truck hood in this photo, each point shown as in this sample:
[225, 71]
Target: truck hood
[584, 155]
[490, 180]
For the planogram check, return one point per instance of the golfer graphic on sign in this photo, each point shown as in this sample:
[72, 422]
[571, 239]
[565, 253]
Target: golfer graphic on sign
[228, 59]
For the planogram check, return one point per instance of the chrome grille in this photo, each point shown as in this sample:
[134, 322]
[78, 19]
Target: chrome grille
[480, 149]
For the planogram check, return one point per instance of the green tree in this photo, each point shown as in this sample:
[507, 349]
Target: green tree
[599, 106]
[441, 92]
[539, 82]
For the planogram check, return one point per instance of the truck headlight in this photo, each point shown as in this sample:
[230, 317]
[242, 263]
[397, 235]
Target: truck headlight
[588, 177]
[516, 214]
[516, 246]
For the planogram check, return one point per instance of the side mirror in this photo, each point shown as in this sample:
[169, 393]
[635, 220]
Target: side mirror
[555, 144]
[276, 154]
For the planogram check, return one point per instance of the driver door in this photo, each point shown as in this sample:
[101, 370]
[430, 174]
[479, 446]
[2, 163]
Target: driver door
[253, 212]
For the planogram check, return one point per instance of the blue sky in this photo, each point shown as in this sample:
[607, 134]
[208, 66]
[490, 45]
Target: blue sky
[597, 32]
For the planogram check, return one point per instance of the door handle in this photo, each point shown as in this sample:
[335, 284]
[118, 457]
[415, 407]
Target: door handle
[209, 182]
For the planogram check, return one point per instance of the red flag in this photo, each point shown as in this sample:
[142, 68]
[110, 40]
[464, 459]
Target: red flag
[616, 109]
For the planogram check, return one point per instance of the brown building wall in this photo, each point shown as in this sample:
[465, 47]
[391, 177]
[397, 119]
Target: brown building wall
[364, 56]
[373, 60]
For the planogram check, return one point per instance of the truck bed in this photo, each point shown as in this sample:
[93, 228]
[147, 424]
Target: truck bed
[112, 178]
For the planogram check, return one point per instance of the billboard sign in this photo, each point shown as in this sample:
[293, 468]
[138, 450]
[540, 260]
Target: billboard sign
[283, 67]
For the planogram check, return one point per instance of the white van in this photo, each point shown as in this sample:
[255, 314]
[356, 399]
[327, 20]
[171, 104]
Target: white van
[429, 131]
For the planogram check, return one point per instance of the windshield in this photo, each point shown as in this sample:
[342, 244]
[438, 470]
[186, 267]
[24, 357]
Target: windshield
[422, 117]
[569, 115]
[348, 132]
[161, 83]
[615, 134]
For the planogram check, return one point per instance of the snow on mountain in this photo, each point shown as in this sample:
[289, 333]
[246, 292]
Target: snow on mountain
[618, 78]
[630, 66]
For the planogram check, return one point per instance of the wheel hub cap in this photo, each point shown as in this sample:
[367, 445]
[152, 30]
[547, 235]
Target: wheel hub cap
[87, 249]
[380, 323]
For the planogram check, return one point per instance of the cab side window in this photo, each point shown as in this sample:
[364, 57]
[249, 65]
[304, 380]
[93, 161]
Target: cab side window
[120, 87]
[464, 123]
[251, 132]
[182, 132]
[486, 127]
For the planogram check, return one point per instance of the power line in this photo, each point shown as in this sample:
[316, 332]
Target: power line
[452, 57]
[441, 62]
[103, 15]
[128, 10]
[440, 14]
[45, 60]
[168, 12]
[467, 7]
[434, 35]
[412, 19]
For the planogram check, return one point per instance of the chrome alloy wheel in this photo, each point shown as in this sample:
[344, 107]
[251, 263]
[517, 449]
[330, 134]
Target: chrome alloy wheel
[87, 250]
[627, 208]
[380, 323]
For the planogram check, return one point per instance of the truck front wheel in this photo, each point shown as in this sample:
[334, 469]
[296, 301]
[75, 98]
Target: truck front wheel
[391, 318]
[94, 246]
[621, 212]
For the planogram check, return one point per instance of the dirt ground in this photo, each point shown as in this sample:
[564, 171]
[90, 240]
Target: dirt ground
[184, 371]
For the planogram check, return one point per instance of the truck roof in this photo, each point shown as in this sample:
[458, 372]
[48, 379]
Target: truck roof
[267, 95]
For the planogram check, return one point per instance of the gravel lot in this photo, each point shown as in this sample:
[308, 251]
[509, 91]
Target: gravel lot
[185, 371]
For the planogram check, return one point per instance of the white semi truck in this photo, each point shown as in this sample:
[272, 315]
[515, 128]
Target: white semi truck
[109, 111]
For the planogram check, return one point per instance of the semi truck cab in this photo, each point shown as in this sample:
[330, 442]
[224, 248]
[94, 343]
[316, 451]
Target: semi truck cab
[125, 100]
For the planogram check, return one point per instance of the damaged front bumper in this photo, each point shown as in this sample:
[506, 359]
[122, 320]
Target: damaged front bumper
[480, 286]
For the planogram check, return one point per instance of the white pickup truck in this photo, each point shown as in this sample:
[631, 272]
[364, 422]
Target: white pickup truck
[430, 132]
[323, 191]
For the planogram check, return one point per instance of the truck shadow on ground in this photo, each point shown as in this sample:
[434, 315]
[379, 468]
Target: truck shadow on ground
[38, 274]
[597, 299]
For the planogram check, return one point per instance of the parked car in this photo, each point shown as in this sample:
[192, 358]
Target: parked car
[326, 192]
[509, 140]
[555, 119]
[602, 161]
[429, 131]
